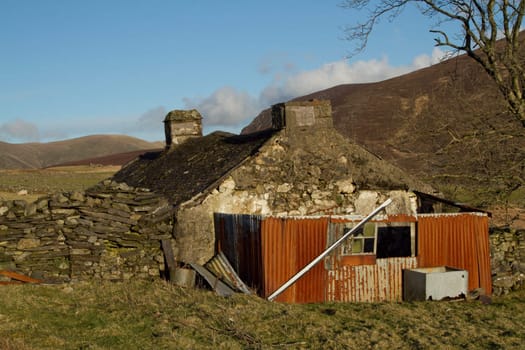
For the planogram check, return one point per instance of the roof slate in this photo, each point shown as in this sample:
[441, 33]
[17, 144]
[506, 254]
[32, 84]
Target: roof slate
[192, 167]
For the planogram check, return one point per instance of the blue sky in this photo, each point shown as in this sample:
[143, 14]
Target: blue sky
[70, 68]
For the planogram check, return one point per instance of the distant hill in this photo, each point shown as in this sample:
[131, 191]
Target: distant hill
[67, 152]
[447, 124]
[112, 159]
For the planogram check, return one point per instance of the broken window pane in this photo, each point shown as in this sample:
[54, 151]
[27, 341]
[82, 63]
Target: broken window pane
[369, 245]
[363, 241]
[393, 241]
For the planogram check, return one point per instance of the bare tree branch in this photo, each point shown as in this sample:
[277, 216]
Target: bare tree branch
[480, 23]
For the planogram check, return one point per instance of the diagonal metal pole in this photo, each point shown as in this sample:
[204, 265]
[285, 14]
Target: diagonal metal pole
[327, 251]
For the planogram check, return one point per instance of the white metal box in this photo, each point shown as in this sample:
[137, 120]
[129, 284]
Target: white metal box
[434, 283]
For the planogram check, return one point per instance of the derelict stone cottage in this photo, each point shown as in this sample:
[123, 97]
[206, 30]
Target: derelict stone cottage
[242, 194]
[302, 166]
[270, 200]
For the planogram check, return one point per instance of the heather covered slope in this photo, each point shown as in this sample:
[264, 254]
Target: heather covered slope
[41, 155]
[446, 124]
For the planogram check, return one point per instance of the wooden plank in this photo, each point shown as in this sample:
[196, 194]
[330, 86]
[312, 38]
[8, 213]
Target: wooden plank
[169, 258]
[19, 277]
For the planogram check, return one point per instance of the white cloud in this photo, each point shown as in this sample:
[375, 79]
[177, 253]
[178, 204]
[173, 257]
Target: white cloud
[423, 61]
[340, 72]
[225, 106]
[19, 131]
[152, 119]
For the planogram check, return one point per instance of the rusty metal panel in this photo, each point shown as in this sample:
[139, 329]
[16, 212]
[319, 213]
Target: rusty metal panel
[276, 266]
[16, 277]
[393, 281]
[356, 279]
[239, 238]
[353, 283]
[221, 267]
[458, 240]
[483, 250]
[369, 283]
[310, 238]
[289, 245]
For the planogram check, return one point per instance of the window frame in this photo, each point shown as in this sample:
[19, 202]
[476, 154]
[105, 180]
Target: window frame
[369, 258]
[349, 226]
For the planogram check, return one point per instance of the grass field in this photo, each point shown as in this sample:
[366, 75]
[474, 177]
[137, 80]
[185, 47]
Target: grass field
[38, 182]
[157, 315]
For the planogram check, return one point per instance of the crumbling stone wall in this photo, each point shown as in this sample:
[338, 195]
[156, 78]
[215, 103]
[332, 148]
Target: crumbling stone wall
[293, 176]
[111, 232]
[306, 168]
[507, 248]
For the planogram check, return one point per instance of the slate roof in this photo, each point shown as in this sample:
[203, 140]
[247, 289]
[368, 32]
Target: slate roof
[192, 167]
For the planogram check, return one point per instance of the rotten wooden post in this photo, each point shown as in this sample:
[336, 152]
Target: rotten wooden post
[170, 258]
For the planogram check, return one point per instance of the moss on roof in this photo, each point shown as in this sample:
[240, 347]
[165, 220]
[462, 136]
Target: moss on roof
[183, 115]
[193, 166]
[197, 165]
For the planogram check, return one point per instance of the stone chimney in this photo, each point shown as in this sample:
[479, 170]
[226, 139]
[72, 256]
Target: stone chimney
[302, 115]
[180, 125]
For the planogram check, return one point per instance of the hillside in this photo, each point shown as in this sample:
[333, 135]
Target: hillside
[446, 124]
[42, 155]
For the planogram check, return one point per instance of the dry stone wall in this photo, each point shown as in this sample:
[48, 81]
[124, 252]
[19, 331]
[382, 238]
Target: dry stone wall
[111, 231]
[507, 248]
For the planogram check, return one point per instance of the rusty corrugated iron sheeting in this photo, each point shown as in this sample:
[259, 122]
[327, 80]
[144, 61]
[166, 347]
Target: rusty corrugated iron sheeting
[456, 240]
[369, 283]
[359, 281]
[221, 268]
[288, 245]
[16, 278]
[239, 238]
[266, 252]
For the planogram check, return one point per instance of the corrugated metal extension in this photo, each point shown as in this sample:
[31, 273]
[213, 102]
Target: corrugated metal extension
[382, 281]
[456, 240]
[266, 252]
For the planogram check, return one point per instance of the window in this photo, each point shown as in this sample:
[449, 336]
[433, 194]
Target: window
[362, 241]
[383, 240]
[394, 240]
